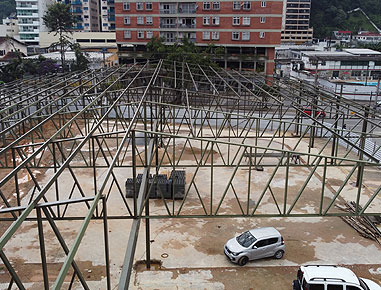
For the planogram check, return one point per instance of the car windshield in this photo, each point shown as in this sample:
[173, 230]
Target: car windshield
[246, 239]
[363, 285]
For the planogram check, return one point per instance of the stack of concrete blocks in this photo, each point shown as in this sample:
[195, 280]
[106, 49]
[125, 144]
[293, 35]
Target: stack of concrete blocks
[177, 183]
[173, 187]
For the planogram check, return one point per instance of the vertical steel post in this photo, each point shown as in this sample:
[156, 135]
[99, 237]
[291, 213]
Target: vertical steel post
[147, 221]
[334, 141]
[16, 180]
[105, 231]
[42, 249]
[134, 172]
[362, 147]
[94, 171]
[56, 181]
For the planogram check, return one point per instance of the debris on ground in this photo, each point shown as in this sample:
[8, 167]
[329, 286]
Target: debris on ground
[364, 225]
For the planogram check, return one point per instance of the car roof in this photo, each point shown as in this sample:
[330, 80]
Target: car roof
[331, 273]
[260, 233]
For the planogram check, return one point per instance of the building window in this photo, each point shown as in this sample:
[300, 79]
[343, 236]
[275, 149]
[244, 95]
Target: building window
[206, 20]
[245, 20]
[263, 19]
[263, 4]
[261, 35]
[246, 35]
[216, 20]
[127, 34]
[139, 5]
[354, 63]
[235, 35]
[236, 5]
[246, 5]
[140, 20]
[149, 20]
[236, 20]
[127, 20]
[206, 5]
[148, 5]
[215, 35]
[216, 5]
[205, 35]
[149, 34]
[140, 34]
[126, 6]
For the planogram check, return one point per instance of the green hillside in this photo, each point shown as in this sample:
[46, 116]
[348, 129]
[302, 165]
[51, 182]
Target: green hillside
[7, 7]
[330, 15]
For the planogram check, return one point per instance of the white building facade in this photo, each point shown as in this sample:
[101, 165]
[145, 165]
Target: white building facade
[29, 16]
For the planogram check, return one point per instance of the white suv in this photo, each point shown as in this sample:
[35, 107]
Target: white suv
[312, 277]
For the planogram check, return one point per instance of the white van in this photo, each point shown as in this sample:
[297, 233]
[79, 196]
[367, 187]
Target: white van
[314, 277]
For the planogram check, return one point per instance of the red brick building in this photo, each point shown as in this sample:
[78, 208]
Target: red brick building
[249, 30]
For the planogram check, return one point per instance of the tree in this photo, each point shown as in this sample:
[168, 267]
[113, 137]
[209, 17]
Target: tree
[186, 51]
[7, 7]
[81, 61]
[60, 20]
[18, 68]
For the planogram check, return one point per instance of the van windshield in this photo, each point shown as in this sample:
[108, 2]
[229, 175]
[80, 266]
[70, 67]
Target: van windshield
[246, 239]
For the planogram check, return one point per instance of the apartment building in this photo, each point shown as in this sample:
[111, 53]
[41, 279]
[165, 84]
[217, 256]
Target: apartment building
[296, 21]
[86, 12]
[29, 16]
[108, 15]
[248, 30]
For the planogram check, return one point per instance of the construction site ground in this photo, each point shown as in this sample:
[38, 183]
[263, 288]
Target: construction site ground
[187, 253]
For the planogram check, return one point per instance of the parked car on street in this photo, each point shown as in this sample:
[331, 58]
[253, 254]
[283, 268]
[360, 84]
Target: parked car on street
[255, 244]
[322, 277]
[318, 114]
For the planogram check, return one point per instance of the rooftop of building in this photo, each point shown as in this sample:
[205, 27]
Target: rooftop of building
[346, 54]
[7, 38]
[368, 33]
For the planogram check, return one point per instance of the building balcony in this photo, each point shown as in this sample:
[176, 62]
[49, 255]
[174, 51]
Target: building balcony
[111, 18]
[29, 31]
[29, 23]
[79, 26]
[76, 2]
[27, 15]
[76, 10]
[110, 1]
[29, 37]
[187, 26]
[187, 10]
[162, 25]
[168, 11]
[26, 7]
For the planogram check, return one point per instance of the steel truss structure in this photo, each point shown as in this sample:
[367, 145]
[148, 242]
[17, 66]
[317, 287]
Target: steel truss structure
[157, 116]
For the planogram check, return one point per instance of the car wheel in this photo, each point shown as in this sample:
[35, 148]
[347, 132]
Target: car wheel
[295, 285]
[279, 254]
[243, 261]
